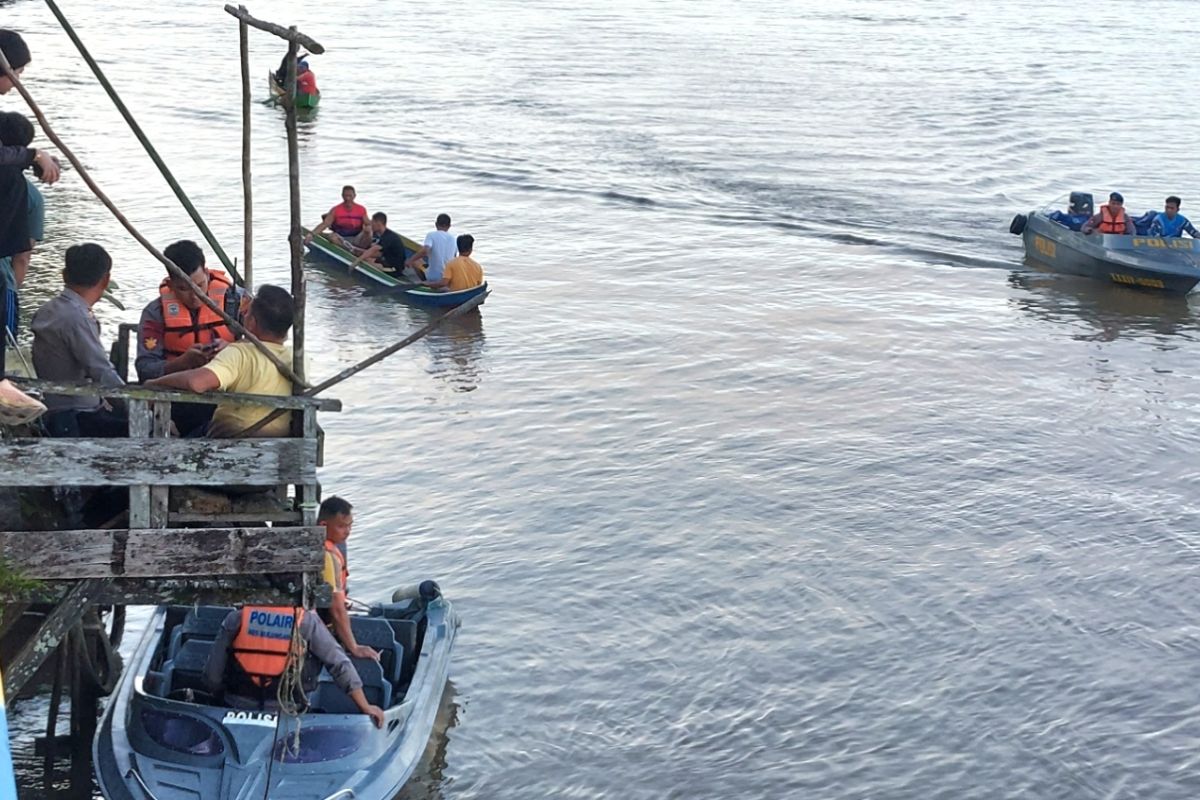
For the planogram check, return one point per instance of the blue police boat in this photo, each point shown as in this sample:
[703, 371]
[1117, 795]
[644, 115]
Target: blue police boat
[1144, 262]
[163, 737]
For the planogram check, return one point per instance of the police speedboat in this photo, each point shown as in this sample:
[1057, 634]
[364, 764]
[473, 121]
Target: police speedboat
[163, 737]
[1145, 262]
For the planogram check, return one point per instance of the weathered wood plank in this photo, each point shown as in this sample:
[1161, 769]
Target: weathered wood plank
[142, 393]
[140, 427]
[162, 462]
[289, 34]
[162, 553]
[39, 647]
[279, 589]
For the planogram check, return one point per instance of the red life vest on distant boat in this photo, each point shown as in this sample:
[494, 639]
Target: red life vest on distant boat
[260, 649]
[347, 221]
[180, 330]
[1111, 223]
[306, 83]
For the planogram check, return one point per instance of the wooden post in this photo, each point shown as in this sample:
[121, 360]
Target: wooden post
[247, 192]
[56, 624]
[295, 237]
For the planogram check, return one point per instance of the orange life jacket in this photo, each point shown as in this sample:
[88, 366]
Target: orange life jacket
[260, 649]
[340, 562]
[180, 331]
[1111, 223]
[347, 221]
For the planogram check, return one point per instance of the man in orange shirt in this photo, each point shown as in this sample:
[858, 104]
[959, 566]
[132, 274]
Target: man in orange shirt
[462, 272]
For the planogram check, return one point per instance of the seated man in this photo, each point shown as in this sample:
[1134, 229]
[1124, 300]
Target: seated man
[437, 249]
[67, 347]
[240, 367]
[177, 332]
[1170, 223]
[259, 640]
[386, 247]
[336, 516]
[347, 219]
[462, 272]
[1111, 219]
[15, 129]
[1079, 212]
[306, 79]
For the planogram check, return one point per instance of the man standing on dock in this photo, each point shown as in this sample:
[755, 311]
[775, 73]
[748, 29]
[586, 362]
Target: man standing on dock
[17, 53]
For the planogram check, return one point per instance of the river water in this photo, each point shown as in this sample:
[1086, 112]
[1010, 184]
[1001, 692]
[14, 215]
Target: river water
[768, 470]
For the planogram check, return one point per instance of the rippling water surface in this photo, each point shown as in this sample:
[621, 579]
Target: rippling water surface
[769, 470]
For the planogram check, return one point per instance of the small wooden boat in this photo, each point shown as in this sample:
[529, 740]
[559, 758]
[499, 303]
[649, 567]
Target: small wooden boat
[1144, 262]
[417, 295]
[302, 100]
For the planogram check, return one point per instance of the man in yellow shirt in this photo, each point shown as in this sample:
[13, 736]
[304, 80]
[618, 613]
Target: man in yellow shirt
[463, 272]
[241, 368]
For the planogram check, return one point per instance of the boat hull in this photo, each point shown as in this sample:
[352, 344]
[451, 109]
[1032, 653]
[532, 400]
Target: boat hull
[1142, 262]
[365, 271]
[147, 745]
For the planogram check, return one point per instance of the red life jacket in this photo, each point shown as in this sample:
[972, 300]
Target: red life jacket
[347, 221]
[1111, 223]
[180, 331]
[306, 83]
[339, 561]
[260, 649]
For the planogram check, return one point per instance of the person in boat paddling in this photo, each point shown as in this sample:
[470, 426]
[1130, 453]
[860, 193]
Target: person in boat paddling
[346, 220]
[251, 652]
[1111, 218]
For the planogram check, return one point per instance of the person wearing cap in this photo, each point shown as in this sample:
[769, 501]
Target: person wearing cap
[1170, 224]
[306, 79]
[1111, 218]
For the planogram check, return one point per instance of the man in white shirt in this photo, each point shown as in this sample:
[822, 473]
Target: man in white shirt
[439, 247]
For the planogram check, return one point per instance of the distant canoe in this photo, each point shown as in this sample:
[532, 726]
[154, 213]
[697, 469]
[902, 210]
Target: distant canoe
[366, 271]
[302, 100]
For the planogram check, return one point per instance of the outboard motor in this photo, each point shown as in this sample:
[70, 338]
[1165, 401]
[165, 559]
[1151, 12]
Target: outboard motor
[1081, 203]
[1017, 226]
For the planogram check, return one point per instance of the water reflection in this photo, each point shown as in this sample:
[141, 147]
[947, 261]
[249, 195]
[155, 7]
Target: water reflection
[429, 776]
[1112, 311]
[457, 350]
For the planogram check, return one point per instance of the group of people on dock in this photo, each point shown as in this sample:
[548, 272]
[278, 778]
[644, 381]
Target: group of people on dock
[442, 262]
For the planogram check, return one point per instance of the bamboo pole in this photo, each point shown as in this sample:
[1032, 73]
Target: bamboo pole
[295, 238]
[171, 266]
[141, 137]
[290, 34]
[247, 190]
[470, 305]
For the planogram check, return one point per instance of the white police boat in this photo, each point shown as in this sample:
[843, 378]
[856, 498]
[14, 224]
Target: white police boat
[163, 737]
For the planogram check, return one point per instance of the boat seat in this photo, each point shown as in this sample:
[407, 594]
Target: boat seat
[332, 700]
[200, 623]
[405, 631]
[377, 633]
[186, 669]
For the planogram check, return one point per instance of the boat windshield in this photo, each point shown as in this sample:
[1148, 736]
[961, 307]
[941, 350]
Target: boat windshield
[322, 744]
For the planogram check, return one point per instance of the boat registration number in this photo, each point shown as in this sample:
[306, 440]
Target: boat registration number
[1170, 244]
[1152, 283]
[1044, 246]
[249, 718]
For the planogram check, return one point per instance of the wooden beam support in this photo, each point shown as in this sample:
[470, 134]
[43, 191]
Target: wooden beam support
[276, 589]
[39, 647]
[162, 553]
[298, 402]
[158, 462]
[288, 34]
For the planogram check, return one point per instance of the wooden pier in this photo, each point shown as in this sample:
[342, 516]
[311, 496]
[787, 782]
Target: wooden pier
[176, 539]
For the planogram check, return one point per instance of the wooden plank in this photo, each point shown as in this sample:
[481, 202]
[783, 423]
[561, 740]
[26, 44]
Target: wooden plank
[39, 647]
[212, 399]
[140, 426]
[277, 589]
[163, 462]
[160, 495]
[233, 519]
[288, 34]
[162, 553]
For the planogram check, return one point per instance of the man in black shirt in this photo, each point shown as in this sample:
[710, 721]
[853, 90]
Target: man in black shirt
[387, 248]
